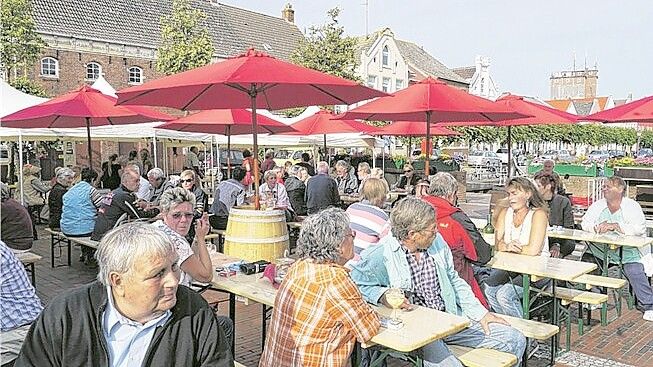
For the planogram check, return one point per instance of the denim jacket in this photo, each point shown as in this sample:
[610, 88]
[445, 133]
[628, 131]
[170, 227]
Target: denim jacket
[384, 265]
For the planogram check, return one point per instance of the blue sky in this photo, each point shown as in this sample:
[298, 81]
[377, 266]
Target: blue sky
[526, 40]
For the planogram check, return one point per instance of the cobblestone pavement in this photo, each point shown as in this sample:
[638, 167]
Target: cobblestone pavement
[626, 341]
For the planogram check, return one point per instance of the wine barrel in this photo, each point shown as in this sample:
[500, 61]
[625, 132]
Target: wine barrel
[256, 234]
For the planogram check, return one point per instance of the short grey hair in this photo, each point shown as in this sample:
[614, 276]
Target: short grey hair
[121, 248]
[443, 184]
[156, 173]
[364, 166]
[65, 173]
[134, 166]
[175, 196]
[411, 214]
[343, 164]
[618, 181]
[322, 167]
[270, 173]
[322, 234]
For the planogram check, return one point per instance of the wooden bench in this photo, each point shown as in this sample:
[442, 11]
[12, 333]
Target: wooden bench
[84, 241]
[568, 296]
[236, 364]
[482, 357]
[532, 329]
[29, 259]
[606, 283]
[647, 208]
[58, 240]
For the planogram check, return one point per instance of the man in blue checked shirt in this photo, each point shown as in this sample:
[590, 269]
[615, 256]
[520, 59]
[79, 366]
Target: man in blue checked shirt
[19, 304]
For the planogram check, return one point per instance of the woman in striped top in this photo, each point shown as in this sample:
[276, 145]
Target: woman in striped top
[367, 218]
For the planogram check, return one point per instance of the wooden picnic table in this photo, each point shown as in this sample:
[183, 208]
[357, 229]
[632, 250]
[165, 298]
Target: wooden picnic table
[414, 334]
[540, 267]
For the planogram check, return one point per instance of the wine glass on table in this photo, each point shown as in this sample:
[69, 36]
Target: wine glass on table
[395, 298]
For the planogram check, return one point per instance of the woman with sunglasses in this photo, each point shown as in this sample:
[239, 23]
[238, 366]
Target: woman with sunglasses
[189, 182]
[408, 180]
[176, 207]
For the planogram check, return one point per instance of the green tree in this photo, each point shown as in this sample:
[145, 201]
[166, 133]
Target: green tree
[26, 85]
[185, 44]
[327, 49]
[20, 45]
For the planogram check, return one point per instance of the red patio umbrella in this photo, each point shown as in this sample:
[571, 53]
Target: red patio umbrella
[226, 122]
[539, 115]
[247, 81]
[431, 101]
[323, 123]
[84, 106]
[640, 110]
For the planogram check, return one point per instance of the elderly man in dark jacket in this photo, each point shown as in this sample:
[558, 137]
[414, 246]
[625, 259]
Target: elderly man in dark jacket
[321, 190]
[137, 295]
[296, 190]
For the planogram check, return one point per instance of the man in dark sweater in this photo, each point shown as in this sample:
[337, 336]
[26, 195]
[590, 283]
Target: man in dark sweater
[120, 201]
[137, 297]
[321, 190]
[16, 223]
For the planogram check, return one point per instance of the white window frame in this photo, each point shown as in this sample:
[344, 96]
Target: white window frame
[93, 77]
[399, 84]
[140, 75]
[386, 84]
[385, 56]
[371, 81]
[56, 67]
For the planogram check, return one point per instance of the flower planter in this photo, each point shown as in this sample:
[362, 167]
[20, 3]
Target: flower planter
[635, 173]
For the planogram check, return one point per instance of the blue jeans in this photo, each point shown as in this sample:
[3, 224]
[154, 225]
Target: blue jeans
[505, 299]
[502, 338]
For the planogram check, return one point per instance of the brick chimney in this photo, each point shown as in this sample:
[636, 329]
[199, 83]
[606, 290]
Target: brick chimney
[288, 14]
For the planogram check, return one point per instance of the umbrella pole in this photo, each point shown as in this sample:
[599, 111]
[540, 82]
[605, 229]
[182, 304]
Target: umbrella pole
[213, 172]
[156, 165]
[20, 162]
[328, 157]
[88, 136]
[410, 142]
[252, 95]
[428, 144]
[228, 151]
[509, 151]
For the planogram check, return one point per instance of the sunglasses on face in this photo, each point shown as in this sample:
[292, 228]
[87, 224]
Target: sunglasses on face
[179, 215]
[188, 180]
[408, 171]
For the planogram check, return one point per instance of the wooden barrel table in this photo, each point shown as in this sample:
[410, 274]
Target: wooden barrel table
[256, 234]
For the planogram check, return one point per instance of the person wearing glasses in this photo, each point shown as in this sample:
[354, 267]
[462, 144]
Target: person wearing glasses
[189, 182]
[347, 182]
[416, 259]
[408, 180]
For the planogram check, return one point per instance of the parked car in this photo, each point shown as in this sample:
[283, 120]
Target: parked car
[616, 153]
[483, 158]
[644, 152]
[293, 155]
[517, 154]
[558, 155]
[598, 156]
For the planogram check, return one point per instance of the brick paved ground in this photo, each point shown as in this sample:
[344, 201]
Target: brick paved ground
[628, 341]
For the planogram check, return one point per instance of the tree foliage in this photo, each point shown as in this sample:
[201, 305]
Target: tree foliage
[185, 43]
[26, 85]
[327, 49]
[20, 45]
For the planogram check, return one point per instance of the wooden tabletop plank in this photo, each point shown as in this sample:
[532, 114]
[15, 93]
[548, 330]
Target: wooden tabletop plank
[541, 266]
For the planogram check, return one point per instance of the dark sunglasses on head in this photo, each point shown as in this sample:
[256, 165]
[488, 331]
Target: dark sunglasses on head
[188, 180]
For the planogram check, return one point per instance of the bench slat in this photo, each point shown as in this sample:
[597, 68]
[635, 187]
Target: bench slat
[599, 281]
[482, 357]
[532, 329]
[28, 257]
[574, 295]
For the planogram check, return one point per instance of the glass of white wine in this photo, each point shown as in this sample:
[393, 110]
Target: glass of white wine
[395, 298]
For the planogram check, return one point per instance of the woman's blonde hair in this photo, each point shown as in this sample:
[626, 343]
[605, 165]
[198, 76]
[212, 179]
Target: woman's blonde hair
[375, 191]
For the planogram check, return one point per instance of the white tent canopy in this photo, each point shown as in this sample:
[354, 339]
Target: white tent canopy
[103, 86]
[12, 100]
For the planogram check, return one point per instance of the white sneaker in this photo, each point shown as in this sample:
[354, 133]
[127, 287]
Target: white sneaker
[648, 315]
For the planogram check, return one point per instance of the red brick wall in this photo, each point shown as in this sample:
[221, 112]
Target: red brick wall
[72, 70]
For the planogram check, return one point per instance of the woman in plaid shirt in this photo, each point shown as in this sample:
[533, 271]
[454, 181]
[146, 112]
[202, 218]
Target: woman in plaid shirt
[319, 312]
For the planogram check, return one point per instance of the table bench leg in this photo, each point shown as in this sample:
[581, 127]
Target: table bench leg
[69, 249]
[232, 316]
